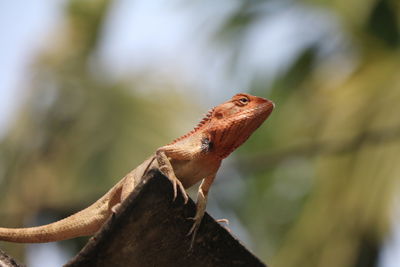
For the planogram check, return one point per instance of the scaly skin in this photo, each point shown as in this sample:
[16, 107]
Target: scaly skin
[187, 160]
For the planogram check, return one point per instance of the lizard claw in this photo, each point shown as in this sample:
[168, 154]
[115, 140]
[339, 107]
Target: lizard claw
[166, 168]
[175, 184]
[193, 230]
[183, 191]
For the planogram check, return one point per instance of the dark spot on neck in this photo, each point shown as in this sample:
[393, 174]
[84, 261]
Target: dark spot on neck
[218, 115]
[206, 145]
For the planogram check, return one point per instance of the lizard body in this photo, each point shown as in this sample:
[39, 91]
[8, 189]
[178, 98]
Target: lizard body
[187, 160]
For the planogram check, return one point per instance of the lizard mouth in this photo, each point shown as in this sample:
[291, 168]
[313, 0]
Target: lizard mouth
[266, 106]
[270, 105]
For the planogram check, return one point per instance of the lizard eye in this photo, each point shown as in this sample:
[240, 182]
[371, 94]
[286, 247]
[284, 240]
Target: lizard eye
[243, 101]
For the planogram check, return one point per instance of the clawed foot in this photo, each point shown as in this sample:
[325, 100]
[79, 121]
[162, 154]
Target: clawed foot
[166, 168]
[175, 184]
[193, 230]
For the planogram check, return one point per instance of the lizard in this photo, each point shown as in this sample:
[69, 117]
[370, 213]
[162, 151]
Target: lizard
[189, 159]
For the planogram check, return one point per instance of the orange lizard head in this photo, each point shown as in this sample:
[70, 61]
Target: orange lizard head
[231, 123]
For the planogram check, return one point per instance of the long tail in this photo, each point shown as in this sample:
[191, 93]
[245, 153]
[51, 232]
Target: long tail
[83, 223]
[75, 225]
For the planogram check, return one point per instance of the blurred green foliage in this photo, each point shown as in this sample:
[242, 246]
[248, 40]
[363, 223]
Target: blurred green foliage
[321, 175]
[325, 166]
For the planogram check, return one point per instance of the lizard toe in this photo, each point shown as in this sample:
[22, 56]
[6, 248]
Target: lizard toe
[184, 194]
[193, 231]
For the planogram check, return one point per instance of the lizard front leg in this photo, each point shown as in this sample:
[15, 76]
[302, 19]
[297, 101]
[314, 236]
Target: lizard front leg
[166, 168]
[201, 203]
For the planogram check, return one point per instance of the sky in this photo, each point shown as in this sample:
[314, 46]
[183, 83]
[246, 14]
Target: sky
[23, 26]
[128, 46]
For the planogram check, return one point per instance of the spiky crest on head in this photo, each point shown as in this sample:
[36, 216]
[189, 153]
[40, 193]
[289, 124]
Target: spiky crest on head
[206, 118]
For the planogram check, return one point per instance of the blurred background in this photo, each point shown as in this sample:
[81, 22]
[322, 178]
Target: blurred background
[90, 88]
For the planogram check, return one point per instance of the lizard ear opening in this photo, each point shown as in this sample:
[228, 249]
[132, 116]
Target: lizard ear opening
[218, 115]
